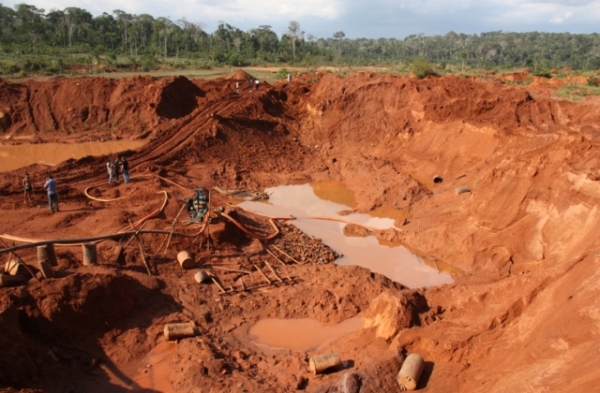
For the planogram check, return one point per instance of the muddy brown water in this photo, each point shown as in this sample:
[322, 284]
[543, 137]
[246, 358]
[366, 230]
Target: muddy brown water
[300, 334]
[301, 201]
[17, 156]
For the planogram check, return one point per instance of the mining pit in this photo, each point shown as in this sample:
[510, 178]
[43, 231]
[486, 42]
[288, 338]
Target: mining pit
[489, 190]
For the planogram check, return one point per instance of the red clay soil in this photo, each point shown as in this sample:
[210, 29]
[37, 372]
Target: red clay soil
[522, 316]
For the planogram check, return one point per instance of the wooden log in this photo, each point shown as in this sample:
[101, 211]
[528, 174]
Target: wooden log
[218, 285]
[287, 255]
[276, 257]
[135, 235]
[273, 270]
[263, 274]
[171, 232]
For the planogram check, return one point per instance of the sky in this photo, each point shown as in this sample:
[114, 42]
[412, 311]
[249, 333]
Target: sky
[361, 18]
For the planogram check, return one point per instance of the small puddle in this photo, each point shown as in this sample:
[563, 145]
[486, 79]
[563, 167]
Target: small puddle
[17, 156]
[150, 374]
[396, 263]
[300, 334]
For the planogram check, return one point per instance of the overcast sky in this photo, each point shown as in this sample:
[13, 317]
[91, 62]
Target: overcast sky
[362, 18]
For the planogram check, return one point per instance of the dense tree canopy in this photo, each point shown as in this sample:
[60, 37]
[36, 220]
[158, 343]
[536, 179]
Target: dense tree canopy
[28, 30]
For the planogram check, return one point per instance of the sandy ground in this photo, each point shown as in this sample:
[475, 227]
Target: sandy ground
[522, 315]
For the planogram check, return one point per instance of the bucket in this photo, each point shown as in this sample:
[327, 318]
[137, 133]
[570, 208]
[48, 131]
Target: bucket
[46, 253]
[410, 372]
[175, 331]
[185, 260]
[201, 276]
[90, 256]
[318, 364]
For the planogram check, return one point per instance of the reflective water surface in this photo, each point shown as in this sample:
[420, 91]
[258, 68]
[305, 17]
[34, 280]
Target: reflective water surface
[17, 156]
[300, 334]
[397, 263]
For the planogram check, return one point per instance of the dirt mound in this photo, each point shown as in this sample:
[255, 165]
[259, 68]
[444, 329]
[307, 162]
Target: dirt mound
[239, 75]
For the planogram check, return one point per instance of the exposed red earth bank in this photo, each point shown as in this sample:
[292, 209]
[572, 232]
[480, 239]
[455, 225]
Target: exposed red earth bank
[523, 314]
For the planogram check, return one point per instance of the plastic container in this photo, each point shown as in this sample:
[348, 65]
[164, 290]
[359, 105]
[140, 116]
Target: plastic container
[201, 276]
[318, 364]
[410, 372]
[46, 253]
[176, 331]
[90, 256]
[185, 260]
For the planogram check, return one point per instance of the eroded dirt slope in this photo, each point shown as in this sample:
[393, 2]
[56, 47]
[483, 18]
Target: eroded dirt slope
[522, 315]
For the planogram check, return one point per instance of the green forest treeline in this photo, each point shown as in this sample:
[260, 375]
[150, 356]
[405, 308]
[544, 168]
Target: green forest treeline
[33, 41]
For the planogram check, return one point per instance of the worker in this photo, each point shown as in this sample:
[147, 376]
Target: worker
[28, 188]
[257, 83]
[125, 169]
[197, 206]
[115, 167]
[237, 88]
[109, 168]
[52, 193]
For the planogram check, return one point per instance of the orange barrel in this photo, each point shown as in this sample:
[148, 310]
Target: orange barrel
[175, 331]
[46, 253]
[185, 260]
[410, 372]
[318, 364]
[90, 257]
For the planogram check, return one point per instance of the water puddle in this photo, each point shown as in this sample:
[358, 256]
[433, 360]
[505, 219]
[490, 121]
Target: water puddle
[300, 334]
[397, 263]
[151, 374]
[17, 156]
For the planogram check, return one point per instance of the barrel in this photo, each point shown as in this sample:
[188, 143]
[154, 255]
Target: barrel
[46, 253]
[90, 257]
[410, 372]
[185, 260]
[462, 190]
[9, 281]
[201, 276]
[318, 364]
[175, 331]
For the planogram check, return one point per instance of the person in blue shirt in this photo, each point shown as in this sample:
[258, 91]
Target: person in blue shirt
[52, 193]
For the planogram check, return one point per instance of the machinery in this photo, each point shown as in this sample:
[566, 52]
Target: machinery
[197, 206]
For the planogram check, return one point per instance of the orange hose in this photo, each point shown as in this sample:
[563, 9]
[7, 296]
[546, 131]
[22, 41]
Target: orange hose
[259, 237]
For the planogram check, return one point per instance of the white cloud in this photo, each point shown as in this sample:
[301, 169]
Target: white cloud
[561, 19]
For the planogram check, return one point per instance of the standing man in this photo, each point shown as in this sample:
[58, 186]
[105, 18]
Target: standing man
[125, 169]
[289, 78]
[52, 194]
[237, 88]
[109, 168]
[27, 186]
[115, 168]
[257, 82]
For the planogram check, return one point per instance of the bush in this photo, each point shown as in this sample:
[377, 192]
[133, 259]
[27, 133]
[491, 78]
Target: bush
[543, 74]
[421, 68]
[592, 81]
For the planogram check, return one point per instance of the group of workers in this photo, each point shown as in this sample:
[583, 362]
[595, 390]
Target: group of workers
[116, 167]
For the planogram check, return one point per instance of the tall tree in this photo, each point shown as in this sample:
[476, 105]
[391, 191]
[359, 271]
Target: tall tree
[339, 36]
[294, 32]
